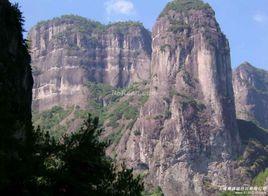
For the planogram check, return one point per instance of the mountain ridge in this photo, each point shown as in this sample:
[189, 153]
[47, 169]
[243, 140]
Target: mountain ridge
[251, 92]
[178, 127]
[68, 54]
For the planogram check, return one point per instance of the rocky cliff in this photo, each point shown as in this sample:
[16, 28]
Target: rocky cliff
[16, 79]
[251, 94]
[178, 129]
[69, 51]
[188, 131]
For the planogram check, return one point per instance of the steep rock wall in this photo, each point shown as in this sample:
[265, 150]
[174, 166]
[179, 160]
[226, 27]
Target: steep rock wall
[251, 94]
[188, 132]
[70, 51]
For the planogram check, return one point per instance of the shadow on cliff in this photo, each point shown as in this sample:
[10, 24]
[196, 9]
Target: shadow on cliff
[255, 147]
[250, 131]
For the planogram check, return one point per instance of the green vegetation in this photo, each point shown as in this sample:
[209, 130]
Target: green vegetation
[120, 105]
[125, 24]
[85, 170]
[131, 113]
[50, 120]
[111, 107]
[261, 178]
[77, 165]
[122, 27]
[185, 5]
[132, 88]
[122, 110]
[80, 114]
[156, 192]
[143, 99]
[88, 28]
[115, 137]
[100, 92]
[178, 26]
[85, 25]
[131, 124]
[193, 102]
[187, 100]
[228, 193]
[232, 193]
[115, 110]
[78, 24]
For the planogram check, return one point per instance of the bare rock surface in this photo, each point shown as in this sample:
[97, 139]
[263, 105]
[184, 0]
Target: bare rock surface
[69, 51]
[251, 94]
[189, 136]
[178, 129]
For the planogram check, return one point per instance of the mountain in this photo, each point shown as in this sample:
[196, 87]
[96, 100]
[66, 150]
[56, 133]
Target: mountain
[70, 51]
[251, 94]
[188, 131]
[165, 99]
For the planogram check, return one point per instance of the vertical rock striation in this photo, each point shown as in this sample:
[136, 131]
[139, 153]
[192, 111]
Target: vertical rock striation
[188, 132]
[251, 94]
[68, 52]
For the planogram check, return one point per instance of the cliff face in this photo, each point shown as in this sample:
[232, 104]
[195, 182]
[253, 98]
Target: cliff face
[188, 131]
[179, 129]
[70, 51]
[251, 94]
[16, 79]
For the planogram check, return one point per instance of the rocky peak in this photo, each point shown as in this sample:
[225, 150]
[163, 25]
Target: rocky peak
[188, 127]
[251, 93]
[255, 78]
[185, 6]
[69, 51]
[245, 66]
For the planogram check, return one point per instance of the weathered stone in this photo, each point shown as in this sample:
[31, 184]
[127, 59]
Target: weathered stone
[251, 94]
[68, 52]
[189, 151]
[183, 137]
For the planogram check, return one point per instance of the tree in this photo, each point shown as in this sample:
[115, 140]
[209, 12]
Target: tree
[77, 165]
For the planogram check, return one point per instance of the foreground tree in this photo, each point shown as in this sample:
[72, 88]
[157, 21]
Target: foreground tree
[77, 165]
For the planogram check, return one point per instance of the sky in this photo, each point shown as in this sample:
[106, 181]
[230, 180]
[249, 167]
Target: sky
[244, 22]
